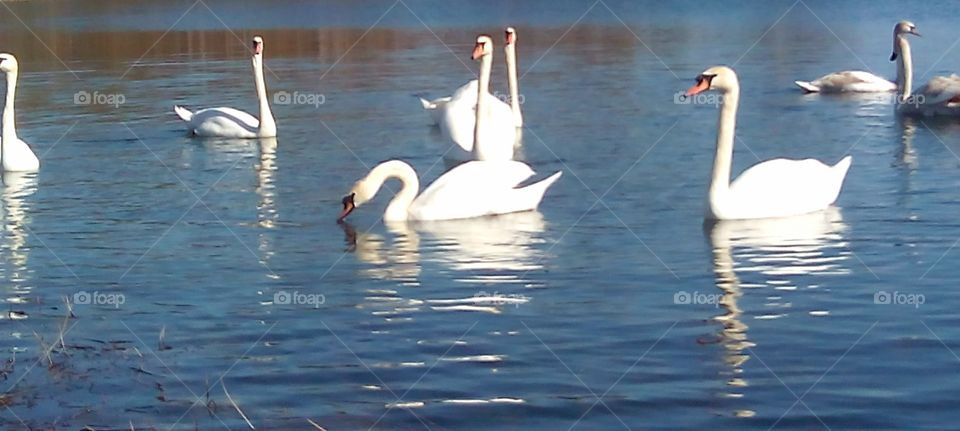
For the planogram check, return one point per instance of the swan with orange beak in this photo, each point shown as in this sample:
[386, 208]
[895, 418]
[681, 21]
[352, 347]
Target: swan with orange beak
[773, 188]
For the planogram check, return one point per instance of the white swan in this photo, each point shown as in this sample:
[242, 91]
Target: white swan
[473, 189]
[436, 106]
[940, 96]
[15, 155]
[486, 120]
[510, 49]
[233, 123]
[774, 188]
[849, 81]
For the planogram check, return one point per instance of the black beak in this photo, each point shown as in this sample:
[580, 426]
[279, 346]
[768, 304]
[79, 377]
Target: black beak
[893, 56]
[348, 207]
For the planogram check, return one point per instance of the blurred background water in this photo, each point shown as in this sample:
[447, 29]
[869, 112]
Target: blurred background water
[213, 264]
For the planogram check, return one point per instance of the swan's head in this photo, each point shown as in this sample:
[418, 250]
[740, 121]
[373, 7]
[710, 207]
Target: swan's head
[483, 47]
[360, 194]
[901, 30]
[720, 78]
[8, 63]
[257, 45]
[904, 28]
[511, 34]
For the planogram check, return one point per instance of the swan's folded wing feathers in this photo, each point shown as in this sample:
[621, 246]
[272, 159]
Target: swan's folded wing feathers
[786, 183]
[940, 90]
[224, 122]
[466, 90]
[472, 189]
[853, 80]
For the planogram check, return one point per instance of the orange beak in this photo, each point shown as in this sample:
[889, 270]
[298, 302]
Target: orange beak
[702, 85]
[477, 51]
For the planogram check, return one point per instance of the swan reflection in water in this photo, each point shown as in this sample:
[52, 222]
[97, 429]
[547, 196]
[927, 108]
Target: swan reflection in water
[503, 251]
[267, 214]
[777, 250]
[17, 186]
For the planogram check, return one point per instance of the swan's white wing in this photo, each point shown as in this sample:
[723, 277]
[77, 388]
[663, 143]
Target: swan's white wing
[459, 118]
[473, 189]
[468, 90]
[783, 187]
[224, 122]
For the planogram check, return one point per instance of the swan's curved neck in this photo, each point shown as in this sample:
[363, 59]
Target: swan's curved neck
[726, 130]
[9, 131]
[268, 127]
[486, 65]
[904, 67]
[511, 51]
[399, 207]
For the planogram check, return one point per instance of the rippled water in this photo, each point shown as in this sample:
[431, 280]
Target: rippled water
[216, 267]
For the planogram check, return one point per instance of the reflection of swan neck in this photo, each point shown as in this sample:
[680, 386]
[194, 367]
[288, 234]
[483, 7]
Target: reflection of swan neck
[17, 186]
[267, 211]
[726, 128]
[907, 155]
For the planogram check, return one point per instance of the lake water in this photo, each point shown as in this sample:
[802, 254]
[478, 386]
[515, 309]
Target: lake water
[196, 268]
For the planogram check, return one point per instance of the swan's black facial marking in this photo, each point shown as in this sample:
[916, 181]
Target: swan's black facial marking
[705, 77]
[479, 49]
[893, 56]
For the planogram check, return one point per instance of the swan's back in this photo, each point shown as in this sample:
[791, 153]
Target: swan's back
[224, 122]
[941, 90]
[479, 188]
[854, 81]
[784, 187]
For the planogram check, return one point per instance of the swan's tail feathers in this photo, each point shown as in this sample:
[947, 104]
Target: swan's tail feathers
[807, 87]
[843, 166]
[428, 105]
[531, 195]
[840, 169]
[183, 113]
